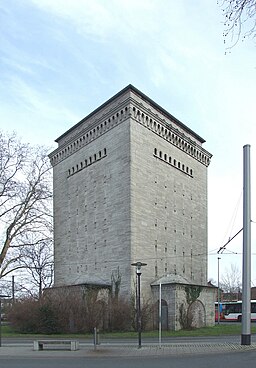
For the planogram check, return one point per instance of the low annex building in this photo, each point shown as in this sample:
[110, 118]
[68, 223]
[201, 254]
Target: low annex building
[130, 184]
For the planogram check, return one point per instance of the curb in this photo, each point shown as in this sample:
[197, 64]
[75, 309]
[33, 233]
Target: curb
[105, 350]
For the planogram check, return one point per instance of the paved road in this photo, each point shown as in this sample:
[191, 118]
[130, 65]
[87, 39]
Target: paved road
[227, 360]
[201, 352]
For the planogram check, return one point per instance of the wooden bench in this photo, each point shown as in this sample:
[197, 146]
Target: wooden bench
[55, 344]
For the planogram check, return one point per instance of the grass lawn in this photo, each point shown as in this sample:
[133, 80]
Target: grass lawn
[217, 330]
[227, 329]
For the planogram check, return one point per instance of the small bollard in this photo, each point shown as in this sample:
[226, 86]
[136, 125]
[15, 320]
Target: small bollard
[95, 337]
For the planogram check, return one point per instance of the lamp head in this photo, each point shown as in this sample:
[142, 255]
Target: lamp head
[138, 266]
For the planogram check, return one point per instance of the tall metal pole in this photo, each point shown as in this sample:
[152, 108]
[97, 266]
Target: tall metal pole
[0, 322]
[13, 289]
[138, 275]
[246, 282]
[137, 303]
[139, 311]
[160, 315]
[218, 297]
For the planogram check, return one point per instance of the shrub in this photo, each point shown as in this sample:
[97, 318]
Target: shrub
[76, 310]
[120, 315]
[47, 319]
[23, 316]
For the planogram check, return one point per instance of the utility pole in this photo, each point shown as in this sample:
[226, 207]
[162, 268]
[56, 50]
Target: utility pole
[246, 299]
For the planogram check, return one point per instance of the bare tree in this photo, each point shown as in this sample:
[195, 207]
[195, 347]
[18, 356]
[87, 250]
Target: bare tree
[240, 19]
[231, 280]
[38, 262]
[25, 198]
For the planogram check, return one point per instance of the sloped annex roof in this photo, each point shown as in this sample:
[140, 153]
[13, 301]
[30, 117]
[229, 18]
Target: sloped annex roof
[171, 279]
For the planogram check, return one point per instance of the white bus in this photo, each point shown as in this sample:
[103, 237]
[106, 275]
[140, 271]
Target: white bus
[232, 311]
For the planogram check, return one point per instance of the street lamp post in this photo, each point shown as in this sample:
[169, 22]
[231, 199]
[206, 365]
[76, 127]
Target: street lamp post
[138, 266]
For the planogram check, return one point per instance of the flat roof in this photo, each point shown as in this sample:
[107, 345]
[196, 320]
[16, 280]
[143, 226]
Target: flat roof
[130, 87]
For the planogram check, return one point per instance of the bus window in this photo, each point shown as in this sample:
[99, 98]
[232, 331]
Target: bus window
[253, 307]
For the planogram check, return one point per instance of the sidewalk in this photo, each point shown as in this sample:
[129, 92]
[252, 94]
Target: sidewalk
[26, 350]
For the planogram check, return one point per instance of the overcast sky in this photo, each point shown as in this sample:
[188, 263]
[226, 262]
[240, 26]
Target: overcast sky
[61, 59]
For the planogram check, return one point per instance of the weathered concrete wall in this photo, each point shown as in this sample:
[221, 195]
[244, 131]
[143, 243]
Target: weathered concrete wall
[130, 184]
[92, 212]
[189, 306]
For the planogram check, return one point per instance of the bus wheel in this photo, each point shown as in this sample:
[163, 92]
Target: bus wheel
[239, 318]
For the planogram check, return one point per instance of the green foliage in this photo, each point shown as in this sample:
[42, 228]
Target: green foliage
[47, 319]
[218, 330]
[192, 293]
[183, 317]
[116, 279]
